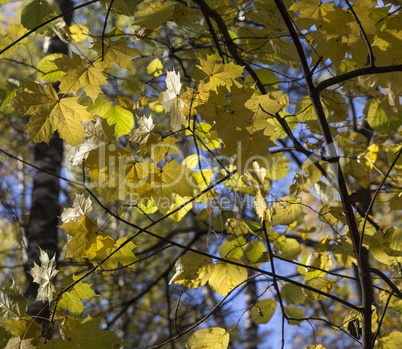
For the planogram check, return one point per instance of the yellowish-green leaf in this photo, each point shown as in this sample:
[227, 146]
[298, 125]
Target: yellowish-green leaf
[48, 70]
[292, 294]
[123, 120]
[116, 52]
[253, 251]
[192, 270]
[81, 74]
[209, 338]
[232, 247]
[72, 299]
[343, 254]
[286, 210]
[49, 114]
[24, 328]
[153, 13]
[390, 340]
[35, 13]
[294, 314]
[220, 74]
[13, 304]
[155, 68]
[321, 260]
[226, 276]
[262, 311]
[318, 283]
[359, 172]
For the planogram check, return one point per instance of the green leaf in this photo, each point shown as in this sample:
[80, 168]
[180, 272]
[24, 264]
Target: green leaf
[88, 334]
[292, 294]
[35, 13]
[263, 310]
[209, 338]
[295, 314]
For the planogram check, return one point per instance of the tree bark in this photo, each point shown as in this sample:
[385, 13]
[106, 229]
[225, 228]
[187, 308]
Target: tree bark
[41, 230]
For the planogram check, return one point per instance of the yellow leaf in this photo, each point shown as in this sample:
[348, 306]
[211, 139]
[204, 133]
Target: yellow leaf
[358, 171]
[319, 283]
[192, 270]
[226, 276]
[49, 114]
[78, 32]
[153, 13]
[286, 210]
[81, 74]
[155, 68]
[209, 338]
[232, 247]
[220, 74]
[116, 52]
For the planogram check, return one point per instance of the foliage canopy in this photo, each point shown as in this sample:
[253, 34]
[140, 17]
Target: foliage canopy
[213, 145]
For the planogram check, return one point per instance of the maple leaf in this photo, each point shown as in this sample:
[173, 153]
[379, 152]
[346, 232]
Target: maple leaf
[13, 304]
[171, 178]
[84, 241]
[72, 298]
[43, 276]
[172, 102]
[81, 74]
[221, 74]
[145, 127]
[86, 334]
[99, 135]
[124, 256]
[50, 114]
[116, 52]
[312, 12]
[81, 206]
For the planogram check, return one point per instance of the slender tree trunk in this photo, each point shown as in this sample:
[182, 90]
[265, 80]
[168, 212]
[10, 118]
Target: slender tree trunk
[251, 335]
[41, 230]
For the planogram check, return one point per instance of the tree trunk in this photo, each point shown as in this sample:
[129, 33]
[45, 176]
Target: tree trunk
[41, 230]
